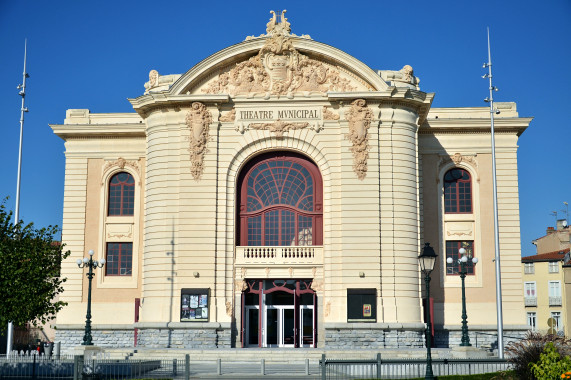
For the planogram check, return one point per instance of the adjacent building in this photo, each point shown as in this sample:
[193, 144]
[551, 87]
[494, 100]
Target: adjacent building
[546, 282]
[278, 194]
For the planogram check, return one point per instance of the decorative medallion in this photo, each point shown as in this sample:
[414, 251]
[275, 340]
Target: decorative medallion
[279, 69]
[359, 117]
[198, 120]
[279, 127]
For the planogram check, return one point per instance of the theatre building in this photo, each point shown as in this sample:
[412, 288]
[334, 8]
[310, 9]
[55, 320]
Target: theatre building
[278, 194]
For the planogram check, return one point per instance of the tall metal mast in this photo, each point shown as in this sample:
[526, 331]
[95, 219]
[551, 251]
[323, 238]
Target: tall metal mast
[23, 110]
[495, 190]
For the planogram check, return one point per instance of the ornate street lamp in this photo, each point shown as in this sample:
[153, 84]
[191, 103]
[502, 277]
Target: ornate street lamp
[88, 262]
[427, 259]
[463, 271]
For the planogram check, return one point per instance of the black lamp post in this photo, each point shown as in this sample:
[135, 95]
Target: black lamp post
[463, 271]
[427, 259]
[88, 262]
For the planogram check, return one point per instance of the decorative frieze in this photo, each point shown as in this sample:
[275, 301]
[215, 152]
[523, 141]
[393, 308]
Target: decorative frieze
[359, 117]
[198, 120]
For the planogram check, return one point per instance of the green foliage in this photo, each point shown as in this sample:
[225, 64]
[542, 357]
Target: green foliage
[550, 365]
[527, 351]
[30, 279]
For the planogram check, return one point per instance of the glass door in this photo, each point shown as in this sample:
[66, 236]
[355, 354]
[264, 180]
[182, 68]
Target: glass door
[279, 326]
[252, 326]
[306, 326]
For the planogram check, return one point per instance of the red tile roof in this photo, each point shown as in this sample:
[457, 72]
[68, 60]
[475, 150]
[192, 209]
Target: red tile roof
[549, 256]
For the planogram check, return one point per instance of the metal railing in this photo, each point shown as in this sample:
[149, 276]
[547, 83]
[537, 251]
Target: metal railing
[406, 368]
[530, 301]
[554, 301]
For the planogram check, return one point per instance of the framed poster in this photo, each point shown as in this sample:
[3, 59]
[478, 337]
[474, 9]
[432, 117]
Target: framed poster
[194, 305]
[361, 305]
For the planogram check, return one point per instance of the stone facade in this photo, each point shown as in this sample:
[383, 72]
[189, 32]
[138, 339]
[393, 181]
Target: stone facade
[377, 154]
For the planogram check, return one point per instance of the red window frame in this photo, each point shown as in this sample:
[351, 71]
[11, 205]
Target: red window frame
[119, 259]
[254, 226]
[121, 199]
[452, 250]
[457, 192]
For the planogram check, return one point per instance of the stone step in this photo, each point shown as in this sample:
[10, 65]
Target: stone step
[287, 354]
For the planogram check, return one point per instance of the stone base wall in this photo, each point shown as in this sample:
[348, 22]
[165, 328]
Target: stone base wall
[101, 338]
[193, 338]
[479, 338]
[374, 336]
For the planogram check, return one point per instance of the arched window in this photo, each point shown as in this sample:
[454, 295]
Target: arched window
[457, 192]
[280, 202]
[121, 195]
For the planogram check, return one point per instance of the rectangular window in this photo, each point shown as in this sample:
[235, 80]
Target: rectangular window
[554, 293]
[532, 321]
[119, 259]
[553, 266]
[556, 322]
[361, 305]
[529, 268]
[529, 289]
[452, 251]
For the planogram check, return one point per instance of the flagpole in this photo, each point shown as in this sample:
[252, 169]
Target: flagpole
[23, 110]
[495, 191]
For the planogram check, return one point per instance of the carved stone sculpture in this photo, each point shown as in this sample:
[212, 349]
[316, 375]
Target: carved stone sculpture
[359, 117]
[198, 120]
[228, 116]
[279, 69]
[329, 115]
[229, 308]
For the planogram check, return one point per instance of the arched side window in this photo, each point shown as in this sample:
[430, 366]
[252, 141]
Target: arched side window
[457, 192]
[281, 202]
[121, 195]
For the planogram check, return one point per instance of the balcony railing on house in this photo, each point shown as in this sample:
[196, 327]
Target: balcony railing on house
[554, 301]
[290, 255]
[530, 301]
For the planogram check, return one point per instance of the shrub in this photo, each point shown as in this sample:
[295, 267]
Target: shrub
[550, 365]
[524, 352]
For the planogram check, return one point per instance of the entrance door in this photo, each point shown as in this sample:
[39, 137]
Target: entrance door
[306, 319]
[252, 326]
[279, 326]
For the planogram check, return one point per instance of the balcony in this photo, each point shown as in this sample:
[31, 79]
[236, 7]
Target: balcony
[278, 255]
[554, 301]
[530, 301]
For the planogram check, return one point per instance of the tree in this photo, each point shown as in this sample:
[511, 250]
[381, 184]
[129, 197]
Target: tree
[30, 261]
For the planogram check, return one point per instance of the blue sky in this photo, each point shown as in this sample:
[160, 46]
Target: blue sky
[95, 54]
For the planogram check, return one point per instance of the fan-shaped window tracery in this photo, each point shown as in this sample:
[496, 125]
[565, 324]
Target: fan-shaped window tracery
[281, 202]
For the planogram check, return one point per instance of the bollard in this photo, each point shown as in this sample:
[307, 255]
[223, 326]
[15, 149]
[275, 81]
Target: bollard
[219, 367]
[263, 368]
[306, 367]
[57, 347]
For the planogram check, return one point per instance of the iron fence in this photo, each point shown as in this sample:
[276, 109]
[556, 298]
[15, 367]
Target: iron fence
[334, 369]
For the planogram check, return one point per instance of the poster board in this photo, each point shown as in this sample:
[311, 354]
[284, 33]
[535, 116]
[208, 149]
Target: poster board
[361, 305]
[194, 305]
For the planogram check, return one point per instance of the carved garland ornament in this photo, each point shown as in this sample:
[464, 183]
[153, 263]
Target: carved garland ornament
[279, 127]
[359, 117]
[121, 163]
[198, 120]
[279, 69]
[458, 158]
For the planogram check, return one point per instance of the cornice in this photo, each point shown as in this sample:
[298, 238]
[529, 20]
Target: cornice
[68, 131]
[515, 125]
[153, 101]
